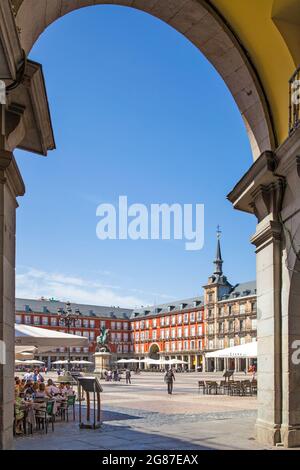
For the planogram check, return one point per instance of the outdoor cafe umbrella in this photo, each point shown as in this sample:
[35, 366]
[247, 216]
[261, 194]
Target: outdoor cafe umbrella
[242, 351]
[30, 362]
[60, 362]
[26, 335]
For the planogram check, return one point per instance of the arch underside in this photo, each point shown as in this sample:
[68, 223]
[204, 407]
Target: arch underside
[199, 23]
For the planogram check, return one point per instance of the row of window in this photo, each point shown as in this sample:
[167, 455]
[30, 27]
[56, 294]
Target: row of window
[233, 309]
[170, 333]
[174, 346]
[221, 344]
[169, 320]
[232, 326]
[39, 320]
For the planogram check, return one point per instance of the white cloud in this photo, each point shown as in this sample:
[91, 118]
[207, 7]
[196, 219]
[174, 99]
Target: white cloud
[35, 283]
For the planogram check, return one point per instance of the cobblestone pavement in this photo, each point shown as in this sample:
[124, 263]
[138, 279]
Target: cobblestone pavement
[144, 416]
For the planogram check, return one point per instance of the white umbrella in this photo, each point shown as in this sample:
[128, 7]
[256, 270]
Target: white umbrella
[60, 362]
[243, 350]
[30, 362]
[35, 336]
[176, 361]
[24, 355]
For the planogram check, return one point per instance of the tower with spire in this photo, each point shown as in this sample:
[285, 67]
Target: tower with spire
[218, 280]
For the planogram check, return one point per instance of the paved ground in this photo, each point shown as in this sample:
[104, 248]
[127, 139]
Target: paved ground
[144, 416]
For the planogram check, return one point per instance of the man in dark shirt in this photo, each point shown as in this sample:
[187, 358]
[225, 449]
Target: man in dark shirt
[169, 379]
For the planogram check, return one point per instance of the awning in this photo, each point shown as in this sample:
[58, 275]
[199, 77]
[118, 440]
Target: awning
[242, 351]
[27, 335]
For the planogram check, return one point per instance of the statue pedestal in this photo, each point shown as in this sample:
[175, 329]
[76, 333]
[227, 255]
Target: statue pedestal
[102, 362]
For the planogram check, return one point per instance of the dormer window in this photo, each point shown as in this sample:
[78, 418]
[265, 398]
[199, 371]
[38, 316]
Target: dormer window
[183, 306]
[170, 308]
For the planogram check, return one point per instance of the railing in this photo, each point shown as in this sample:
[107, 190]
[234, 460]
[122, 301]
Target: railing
[294, 107]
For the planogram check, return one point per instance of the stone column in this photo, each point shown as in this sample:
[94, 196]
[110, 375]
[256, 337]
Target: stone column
[11, 186]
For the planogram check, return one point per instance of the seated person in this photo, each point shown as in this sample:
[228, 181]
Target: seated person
[28, 389]
[51, 389]
[69, 390]
[41, 392]
[19, 413]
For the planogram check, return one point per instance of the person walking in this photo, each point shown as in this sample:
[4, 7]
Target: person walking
[169, 379]
[128, 376]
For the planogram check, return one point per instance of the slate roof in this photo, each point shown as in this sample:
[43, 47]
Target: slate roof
[160, 309]
[51, 307]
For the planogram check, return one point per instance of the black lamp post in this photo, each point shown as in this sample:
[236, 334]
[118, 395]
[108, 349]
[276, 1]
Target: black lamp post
[68, 318]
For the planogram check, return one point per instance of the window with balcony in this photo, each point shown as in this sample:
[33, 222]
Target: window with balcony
[18, 319]
[210, 297]
[210, 344]
[253, 306]
[125, 325]
[173, 333]
[200, 330]
[142, 348]
[103, 323]
[186, 332]
[242, 309]
[92, 335]
[162, 321]
[147, 335]
[179, 332]
[27, 319]
[85, 323]
[53, 321]
[173, 346]
[92, 323]
[179, 319]
[199, 316]
[193, 331]
[119, 325]
[136, 347]
[192, 316]
[113, 325]
[125, 348]
[162, 334]
[173, 320]
[185, 345]
[254, 324]
[167, 347]
[192, 344]
[154, 334]
[147, 324]
[137, 336]
[210, 313]
[167, 321]
[179, 345]
[45, 321]
[125, 336]
[36, 320]
[167, 334]
[154, 322]
[142, 324]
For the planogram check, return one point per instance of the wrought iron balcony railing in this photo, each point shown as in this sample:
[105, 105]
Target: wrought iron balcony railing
[294, 107]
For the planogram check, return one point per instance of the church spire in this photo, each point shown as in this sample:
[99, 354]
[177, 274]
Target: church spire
[218, 261]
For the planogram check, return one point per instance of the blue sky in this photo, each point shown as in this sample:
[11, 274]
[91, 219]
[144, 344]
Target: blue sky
[137, 111]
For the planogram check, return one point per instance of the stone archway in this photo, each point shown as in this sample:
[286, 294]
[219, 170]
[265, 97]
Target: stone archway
[259, 191]
[199, 22]
[154, 351]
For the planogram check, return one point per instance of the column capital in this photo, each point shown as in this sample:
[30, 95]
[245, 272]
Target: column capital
[267, 231]
[10, 173]
[260, 190]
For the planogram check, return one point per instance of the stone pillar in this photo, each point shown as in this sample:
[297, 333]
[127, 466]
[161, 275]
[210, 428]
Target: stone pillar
[268, 261]
[11, 186]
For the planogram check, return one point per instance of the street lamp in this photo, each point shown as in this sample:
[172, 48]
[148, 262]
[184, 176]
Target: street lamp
[68, 318]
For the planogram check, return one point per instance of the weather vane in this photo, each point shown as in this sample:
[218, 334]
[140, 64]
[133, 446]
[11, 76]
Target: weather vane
[219, 232]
